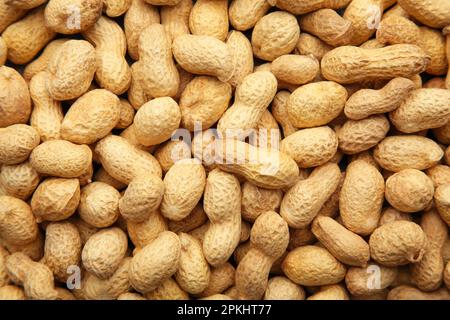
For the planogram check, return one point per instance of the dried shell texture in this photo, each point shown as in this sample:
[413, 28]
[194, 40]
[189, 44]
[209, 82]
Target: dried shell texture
[442, 134]
[102, 176]
[159, 75]
[396, 153]
[280, 113]
[18, 180]
[194, 220]
[62, 248]
[222, 204]
[366, 102]
[330, 292]
[56, 199]
[203, 102]
[10, 292]
[127, 113]
[409, 190]
[171, 152]
[26, 37]
[361, 197]
[442, 202]
[281, 288]
[329, 26]
[163, 2]
[433, 42]
[311, 147]
[210, 18]
[275, 34]
[244, 14]
[447, 275]
[423, 109]
[61, 158]
[204, 55]
[156, 120]
[433, 13]
[114, 8]
[167, 290]
[9, 15]
[175, 19]
[316, 104]
[99, 204]
[266, 168]
[136, 94]
[184, 184]
[15, 102]
[302, 7]
[91, 117]
[313, 266]
[123, 161]
[252, 98]
[364, 15]
[349, 64]
[221, 278]
[104, 251]
[310, 45]
[17, 142]
[143, 233]
[17, 223]
[369, 280]
[70, 17]
[412, 293]
[390, 215]
[346, 246]
[256, 201]
[113, 72]
[155, 263]
[439, 174]
[303, 201]
[130, 296]
[243, 56]
[295, 69]
[396, 29]
[359, 135]
[142, 196]
[71, 70]
[4, 51]
[398, 243]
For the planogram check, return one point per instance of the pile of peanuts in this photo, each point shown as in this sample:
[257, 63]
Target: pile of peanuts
[215, 149]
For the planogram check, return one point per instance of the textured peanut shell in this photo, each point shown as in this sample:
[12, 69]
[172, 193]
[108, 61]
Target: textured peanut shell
[390, 214]
[442, 134]
[143, 233]
[442, 202]
[363, 16]
[330, 292]
[116, 8]
[256, 200]
[171, 152]
[9, 15]
[310, 45]
[243, 56]
[209, 18]
[411, 293]
[433, 13]
[369, 280]
[397, 30]
[175, 19]
[295, 69]
[17, 142]
[195, 219]
[302, 7]
[221, 278]
[127, 113]
[439, 174]
[244, 14]
[3, 51]
[102, 176]
[167, 290]
[10, 292]
[281, 288]
[433, 42]
[279, 112]
[18, 180]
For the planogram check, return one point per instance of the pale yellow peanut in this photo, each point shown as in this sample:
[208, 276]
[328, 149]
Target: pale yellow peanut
[143, 233]
[17, 142]
[163, 2]
[439, 174]
[372, 44]
[442, 134]
[18, 180]
[175, 19]
[130, 296]
[209, 18]
[243, 56]
[373, 279]
[102, 176]
[256, 201]
[195, 219]
[11, 292]
[405, 292]
[221, 278]
[331, 207]
[127, 113]
[281, 288]
[244, 14]
[116, 8]
[9, 15]
[433, 42]
[364, 16]
[433, 13]
[397, 30]
[280, 113]
[330, 292]
[171, 152]
[442, 202]
[295, 69]
[390, 214]
[129, 134]
[136, 94]
[310, 45]
[167, 290]
[302, 7]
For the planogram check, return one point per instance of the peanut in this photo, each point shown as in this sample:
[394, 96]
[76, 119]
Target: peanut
[442, 201]
[295, 69]
[116, 8]
[143, 233]
[175, 18]
[280, 113]
[435, 14]
[4, 51]
[412, 293]
[244, 14]
[369, 280]
[210, 18]
[310, 45]
[16, 143]
[168, 290]
[303, 7]
[19, 180]
[171, 152]
[256, 201]
[281, 288]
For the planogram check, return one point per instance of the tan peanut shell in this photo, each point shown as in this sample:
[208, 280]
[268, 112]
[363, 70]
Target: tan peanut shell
[167, 290]
[295, 69]
[406, 292]
[194, 220]
[447, 275]
[442, 134]
[11, 292]
[19, 180]
[396, 29]
[390, 214]
[209, 18]
[244, 14]
[435, 14]
[3, 51]
[439, 174]
[175, 19]
[280, 113]
[17, 142]
[363, 16]
[433, 42]
[330, 292]
[9, 15]
[143, 233]
[256, 201]
[365, 281]
[302, 7]
[281, 288]
[310, 45]
[221, 278]
[116, 8]
[171, 152]
[127, 113]
[243, 56]
[442, 201]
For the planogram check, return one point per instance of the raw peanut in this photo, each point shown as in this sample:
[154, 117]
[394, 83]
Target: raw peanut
[62, 248]
[366, 102]
[274, 35]
[397, 30]
[267, 133]
[243, 56]
[390, 215]
[439, 174]
[427, 274]
[61, 158]
[113, 72]
[175, 19]
[71, 70]
[99, 204]
[143, 233]
[19, 180]
[295, 69]
[310, 45]
[398, 243]
[102, 176]
[4, 51]
[56, 199]
[116, 8]
[412, 293]
[409, 190]
[183, 187]
[252, 98]
[442, 134]
[142, 196]
[316, 104]
[359, 135]
[123, 161]
[193, 271]
[9, 15]
[17, 142]
[269, 240]
[433, 42]
[195, 219]
[47, 114]
[361, 200]
[34, 249]
[27, 37]
[209, 18]
[344, 245]
[139, 16]
[127, 113]
[442, 201]
[15, 102]
[221, 278]
[203, 102]
[266, 168]
[167, 290]
[328, 26]
[313, 266]
[302, 7]
[396, 153]
[10, 292]
[70, 17]
[331, 207]
[281, 288]
[373, 279]
[171, 152]
[203, 148]
[256, 201]
[330, 292]
[129, 134]
[17, 224]
[85, 229]
[222, 204]
[36, 278]
[349, 64]
[303, 201]
[159, 76]
[433, 13]
[155, 262]
[204, 55]
[130, 296]
[136, 94]
[423, 109]
[244, 14]
[279, 112]
[185, 78]
[311, 147]
[104, 251]
[372, 44]
[364, 16]
[217, 297]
